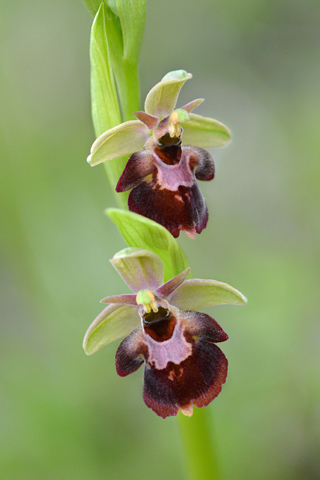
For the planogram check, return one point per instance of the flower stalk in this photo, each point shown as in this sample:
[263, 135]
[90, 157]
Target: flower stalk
[199, 455]
[157, 313]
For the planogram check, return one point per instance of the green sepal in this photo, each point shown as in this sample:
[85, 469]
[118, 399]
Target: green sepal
[195, 293]
[115, 321]
[139, 268]
[124, 139]
[204, 132]
[162, 98]
[139, 231]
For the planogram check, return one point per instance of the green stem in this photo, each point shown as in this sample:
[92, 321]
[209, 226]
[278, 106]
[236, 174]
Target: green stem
[196, 441]
[128, 85]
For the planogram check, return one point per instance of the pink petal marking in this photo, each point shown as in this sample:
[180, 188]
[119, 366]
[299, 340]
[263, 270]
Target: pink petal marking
[175, 349]
[192, 105]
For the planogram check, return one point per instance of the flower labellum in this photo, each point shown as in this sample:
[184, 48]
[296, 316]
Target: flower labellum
[183, 365]
[167, 148]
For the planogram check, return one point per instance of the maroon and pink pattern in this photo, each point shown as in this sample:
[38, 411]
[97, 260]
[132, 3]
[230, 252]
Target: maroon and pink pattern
[183, 366]
[164, 186]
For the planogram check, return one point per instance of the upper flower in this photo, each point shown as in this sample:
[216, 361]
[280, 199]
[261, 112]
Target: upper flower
[183, 366]
[162, 171]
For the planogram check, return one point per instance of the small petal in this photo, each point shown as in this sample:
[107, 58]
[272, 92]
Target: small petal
[138, 167]
[114, 322]
[162, 98]
[131, 352]
[195, 293]
[169, 287]
[205, 132]
[121, 140]
[139, 268]
[127, 299]
[192, 105]
[149, 120]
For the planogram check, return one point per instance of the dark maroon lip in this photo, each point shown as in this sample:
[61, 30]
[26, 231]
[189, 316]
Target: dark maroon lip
[163, 183]
[194, 369]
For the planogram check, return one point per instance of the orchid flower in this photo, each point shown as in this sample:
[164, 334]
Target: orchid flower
[163, 329]
[167, 148]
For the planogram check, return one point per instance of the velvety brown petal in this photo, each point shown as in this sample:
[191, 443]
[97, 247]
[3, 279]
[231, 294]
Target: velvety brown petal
[165, 188]
[138, 167]
[201, 161]
[130, 353]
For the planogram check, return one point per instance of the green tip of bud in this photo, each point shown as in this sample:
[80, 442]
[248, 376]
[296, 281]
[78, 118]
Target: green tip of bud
[177, 116]
[177, 75]
[144, 297]
[180, 115]
[125, 252]
[112, 4]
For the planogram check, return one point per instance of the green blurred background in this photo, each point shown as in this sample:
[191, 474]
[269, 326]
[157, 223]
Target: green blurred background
[65, 416]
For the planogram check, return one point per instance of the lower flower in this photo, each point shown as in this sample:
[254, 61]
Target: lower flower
[183, 366]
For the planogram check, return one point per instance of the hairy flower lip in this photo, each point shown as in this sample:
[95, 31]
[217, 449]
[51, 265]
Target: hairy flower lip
[176, 372]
